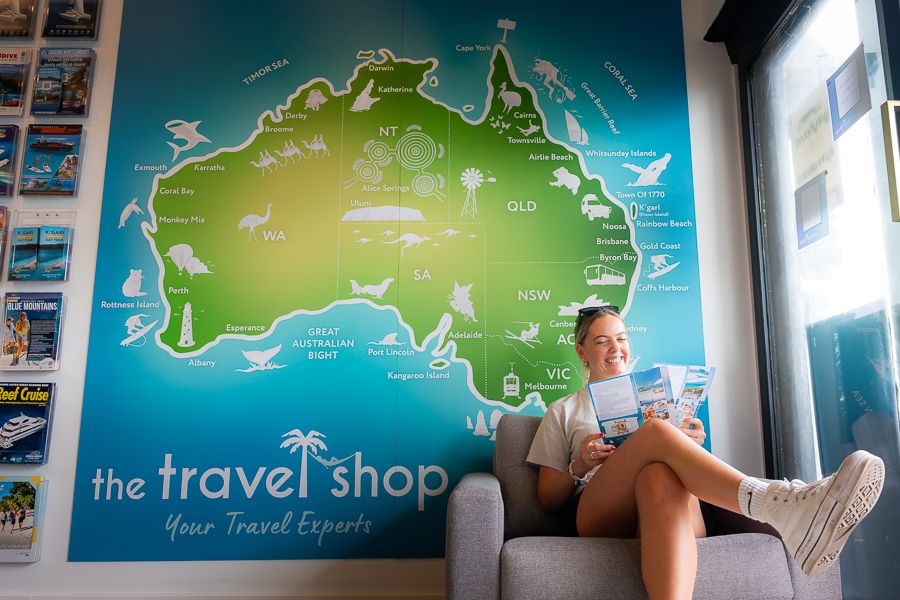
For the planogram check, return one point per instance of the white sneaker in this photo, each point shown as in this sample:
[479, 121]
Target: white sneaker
[816, 519]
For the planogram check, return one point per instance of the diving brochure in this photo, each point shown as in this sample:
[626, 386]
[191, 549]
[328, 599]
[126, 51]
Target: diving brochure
[22, 501]
[14, 66]
[669, 392]
[25, 417]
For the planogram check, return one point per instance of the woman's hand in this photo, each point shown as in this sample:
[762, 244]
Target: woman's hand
[592, 452]
[694, 430]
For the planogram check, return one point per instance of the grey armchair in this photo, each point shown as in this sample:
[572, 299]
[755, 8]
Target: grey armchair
[500, 544]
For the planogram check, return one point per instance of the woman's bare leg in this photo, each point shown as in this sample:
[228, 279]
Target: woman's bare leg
[608, 505]
[669, 523]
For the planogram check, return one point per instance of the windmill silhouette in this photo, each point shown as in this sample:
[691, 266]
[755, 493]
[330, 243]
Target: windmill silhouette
[471, 179]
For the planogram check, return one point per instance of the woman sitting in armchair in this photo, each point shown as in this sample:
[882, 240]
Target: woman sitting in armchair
[649, 486]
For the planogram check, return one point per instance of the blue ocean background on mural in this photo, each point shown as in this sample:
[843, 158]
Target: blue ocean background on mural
[383, 445]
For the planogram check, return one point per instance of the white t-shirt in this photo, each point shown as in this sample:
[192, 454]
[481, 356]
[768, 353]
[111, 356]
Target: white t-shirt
[562, 430]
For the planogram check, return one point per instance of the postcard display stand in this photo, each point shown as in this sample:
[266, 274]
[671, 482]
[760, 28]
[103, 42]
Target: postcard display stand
[38, 161]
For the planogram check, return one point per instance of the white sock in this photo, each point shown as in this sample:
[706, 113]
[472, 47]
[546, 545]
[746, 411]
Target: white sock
[752, 496]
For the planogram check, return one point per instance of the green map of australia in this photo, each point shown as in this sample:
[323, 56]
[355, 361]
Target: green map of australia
[380, 193]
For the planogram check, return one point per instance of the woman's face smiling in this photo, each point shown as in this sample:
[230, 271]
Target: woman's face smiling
[605, 348]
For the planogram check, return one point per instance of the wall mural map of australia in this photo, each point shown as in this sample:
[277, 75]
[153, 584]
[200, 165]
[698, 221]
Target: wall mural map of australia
[333, 255]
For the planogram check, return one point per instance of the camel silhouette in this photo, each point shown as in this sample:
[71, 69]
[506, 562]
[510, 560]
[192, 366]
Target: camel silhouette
[266, 161]
[290, 151]
[253, 221]
[318, 145]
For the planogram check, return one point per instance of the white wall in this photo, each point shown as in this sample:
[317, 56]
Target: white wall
[725, 282]
[722, 240]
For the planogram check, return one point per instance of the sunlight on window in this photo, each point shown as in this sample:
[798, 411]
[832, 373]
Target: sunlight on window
[846, 268]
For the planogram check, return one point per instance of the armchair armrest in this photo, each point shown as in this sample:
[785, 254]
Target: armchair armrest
[474, 538]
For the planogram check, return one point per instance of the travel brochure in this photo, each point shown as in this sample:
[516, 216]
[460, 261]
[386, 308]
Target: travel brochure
[14, 65]
[51, 160]
[25, 410]
[670, 392]
[31, 330]
[62, 82]
[17, 18]
[40, 245]
[4, 225]
[72, 19]
[9, 135]
[22, 501]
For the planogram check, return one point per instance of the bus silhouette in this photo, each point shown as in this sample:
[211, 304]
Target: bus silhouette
[600, 274]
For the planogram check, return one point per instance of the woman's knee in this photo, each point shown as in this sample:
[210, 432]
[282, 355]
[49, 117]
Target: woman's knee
[656, 432]
[657, 485]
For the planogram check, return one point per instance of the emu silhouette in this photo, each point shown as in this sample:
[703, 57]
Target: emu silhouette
[253, 221]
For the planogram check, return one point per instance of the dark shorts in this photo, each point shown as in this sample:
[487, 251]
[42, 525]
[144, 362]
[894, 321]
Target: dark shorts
[568, 515]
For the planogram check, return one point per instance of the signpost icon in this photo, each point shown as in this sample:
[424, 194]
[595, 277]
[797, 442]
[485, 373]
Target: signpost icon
[506, 25]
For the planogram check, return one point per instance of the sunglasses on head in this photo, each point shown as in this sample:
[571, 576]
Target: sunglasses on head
[592, 310]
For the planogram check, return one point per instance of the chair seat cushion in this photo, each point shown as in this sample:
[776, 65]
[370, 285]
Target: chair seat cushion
[747, 565]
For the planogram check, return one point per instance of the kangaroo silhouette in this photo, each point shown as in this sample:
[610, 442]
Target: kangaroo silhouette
[408, 240]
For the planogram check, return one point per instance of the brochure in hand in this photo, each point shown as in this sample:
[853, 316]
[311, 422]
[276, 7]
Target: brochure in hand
[690, 385]
[669, 392]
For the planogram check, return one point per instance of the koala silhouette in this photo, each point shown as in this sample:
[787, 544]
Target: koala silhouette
[564, 178]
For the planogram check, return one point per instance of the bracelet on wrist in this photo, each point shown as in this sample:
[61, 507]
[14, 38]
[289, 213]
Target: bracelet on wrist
[579, 481]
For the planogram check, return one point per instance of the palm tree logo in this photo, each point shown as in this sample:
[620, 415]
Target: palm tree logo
[310, 442]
